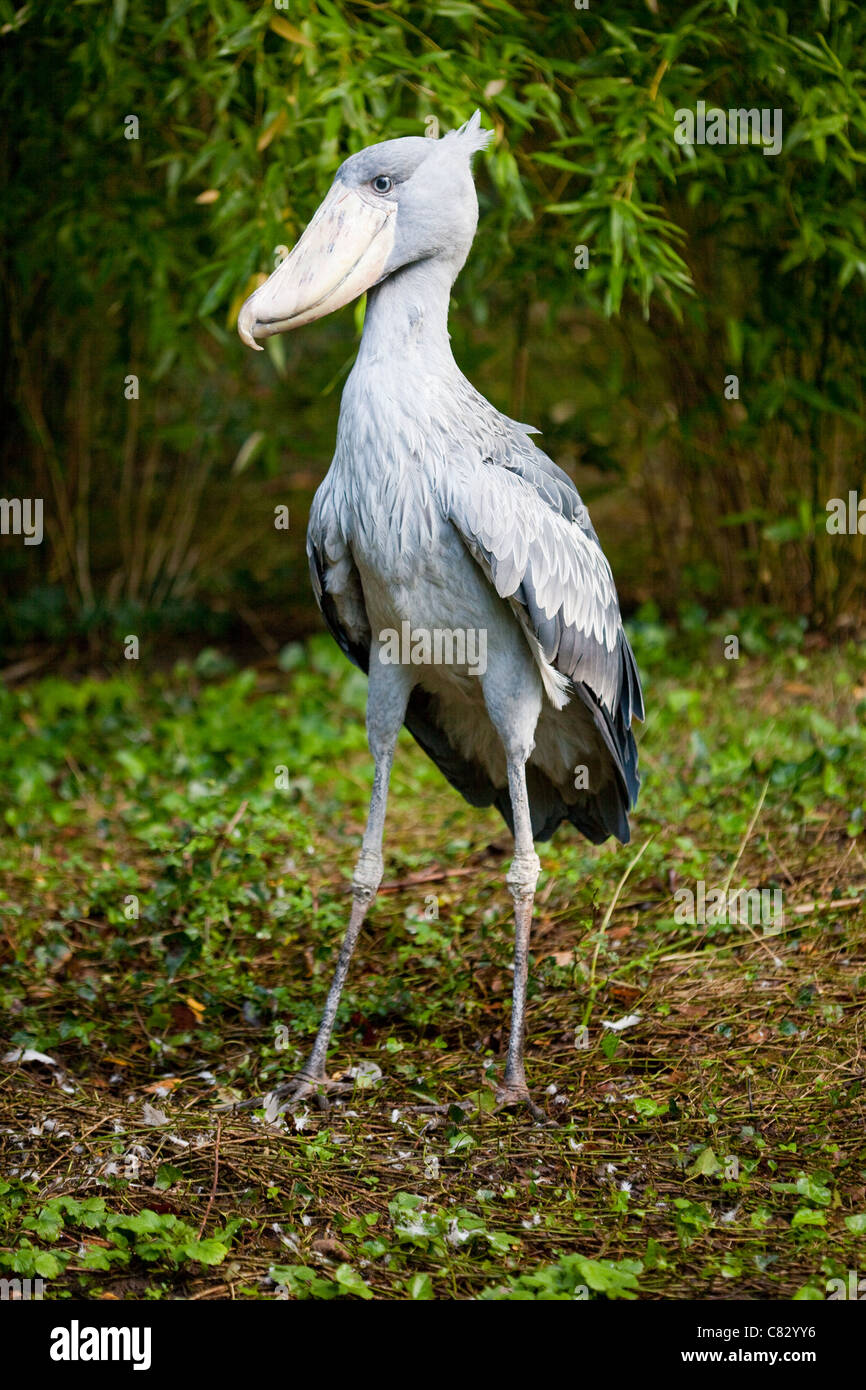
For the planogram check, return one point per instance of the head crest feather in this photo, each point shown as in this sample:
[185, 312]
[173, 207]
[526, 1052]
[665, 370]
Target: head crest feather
[470, 135]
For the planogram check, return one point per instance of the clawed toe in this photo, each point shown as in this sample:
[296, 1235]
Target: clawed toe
[518, 1098]
[290, 1094]
[507, 1098]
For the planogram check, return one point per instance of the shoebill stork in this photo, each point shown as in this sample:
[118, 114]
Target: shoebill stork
[439, 513]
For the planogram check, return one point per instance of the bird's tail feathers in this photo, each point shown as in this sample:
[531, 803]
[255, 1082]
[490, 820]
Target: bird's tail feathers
[557, 687]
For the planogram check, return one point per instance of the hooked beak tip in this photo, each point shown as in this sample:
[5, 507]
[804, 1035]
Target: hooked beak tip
[247, 325]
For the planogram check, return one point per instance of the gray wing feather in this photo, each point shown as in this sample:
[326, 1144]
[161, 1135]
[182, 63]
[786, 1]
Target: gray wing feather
[527, 527]
[523, 520]
[336, 581]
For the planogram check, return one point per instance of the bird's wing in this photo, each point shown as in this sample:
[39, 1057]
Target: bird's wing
[527, 527]
[523, 521]
[336, 581]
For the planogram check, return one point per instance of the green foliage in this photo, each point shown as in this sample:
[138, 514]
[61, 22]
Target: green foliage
[234, 100]
[571, 1278]
[158, 1239]
[162, 790]
[304, 1283]
[133, 255]
[137, 783]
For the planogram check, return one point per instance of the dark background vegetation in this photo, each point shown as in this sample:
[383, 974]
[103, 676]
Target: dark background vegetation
[132, 257]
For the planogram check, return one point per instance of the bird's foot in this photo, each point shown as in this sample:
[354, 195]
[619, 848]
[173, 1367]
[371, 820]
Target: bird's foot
[302, 1087]
[515, 1096]
[460, 1107]
[507, 1097]
[290, 1094]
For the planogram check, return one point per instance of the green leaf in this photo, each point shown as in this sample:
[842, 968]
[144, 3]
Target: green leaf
[420, 1288]
[49, 1265]
[706, 1165]
[807, 1187]
[645, 1105]
[303, 1282]
[351, 1282]
[95, 1258]
[207, 1252]
[48, 1225]
[167, 1175]
[807, 1216]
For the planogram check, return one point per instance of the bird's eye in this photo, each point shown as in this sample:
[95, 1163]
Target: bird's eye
[382, 184]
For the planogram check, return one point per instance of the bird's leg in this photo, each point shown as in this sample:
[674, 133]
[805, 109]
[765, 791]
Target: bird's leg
[312, 1078]
[388, 696]
[365, 885]
[521, 879]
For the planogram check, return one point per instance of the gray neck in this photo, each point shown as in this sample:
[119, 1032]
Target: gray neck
[407, 314]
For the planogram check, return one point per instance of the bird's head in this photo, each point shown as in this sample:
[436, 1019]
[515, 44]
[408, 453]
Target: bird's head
[389, 205]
